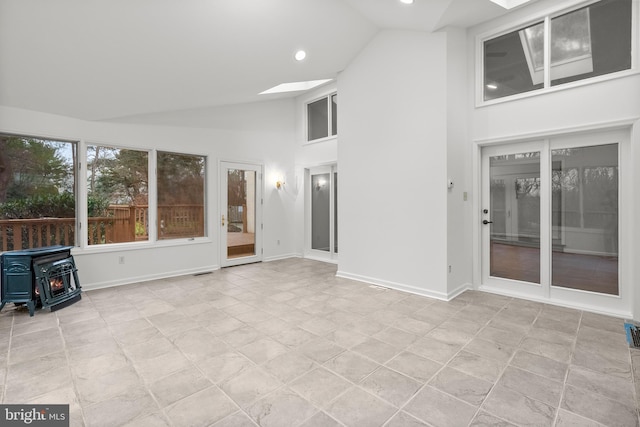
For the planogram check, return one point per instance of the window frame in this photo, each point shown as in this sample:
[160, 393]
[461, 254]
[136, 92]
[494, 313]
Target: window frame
[305, 105]
[546, 16]
[83, 209]
[77, 170]
[153, 240]
[156, 194]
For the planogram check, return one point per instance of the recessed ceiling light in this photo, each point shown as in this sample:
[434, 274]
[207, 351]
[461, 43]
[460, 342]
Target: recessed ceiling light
[300, 55]
[406, 1]
[509, 4]
[295, 86]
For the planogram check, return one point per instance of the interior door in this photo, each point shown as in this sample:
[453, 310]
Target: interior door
[240, 213]
[322, 213]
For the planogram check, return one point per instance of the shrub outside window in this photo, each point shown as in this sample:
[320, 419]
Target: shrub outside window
[37, 192]
[591, 41]
[117, 195]
[181, 197]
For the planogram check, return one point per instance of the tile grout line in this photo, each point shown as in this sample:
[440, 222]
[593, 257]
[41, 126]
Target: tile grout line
[566, 375]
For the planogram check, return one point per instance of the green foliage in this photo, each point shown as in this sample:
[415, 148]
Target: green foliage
[119, 175]
[36, 167]
[140, 230]
[97, 206]
[180, 178]
[40, 206]
[50, 206]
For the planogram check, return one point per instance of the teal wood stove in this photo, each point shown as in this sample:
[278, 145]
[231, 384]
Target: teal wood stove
[45, 277]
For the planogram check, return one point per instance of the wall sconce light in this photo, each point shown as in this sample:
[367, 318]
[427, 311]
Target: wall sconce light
[319, 184]
[279, 184]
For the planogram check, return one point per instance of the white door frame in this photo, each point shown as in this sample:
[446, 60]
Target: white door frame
[222, 219]
[615, 305]
[526, 289]
[331, 255]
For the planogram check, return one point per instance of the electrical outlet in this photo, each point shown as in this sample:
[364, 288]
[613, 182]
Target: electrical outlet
[120, 260]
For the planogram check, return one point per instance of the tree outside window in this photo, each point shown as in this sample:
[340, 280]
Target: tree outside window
[37, 192]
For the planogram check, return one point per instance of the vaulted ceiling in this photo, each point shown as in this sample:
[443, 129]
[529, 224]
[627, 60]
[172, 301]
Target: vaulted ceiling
[111, 59]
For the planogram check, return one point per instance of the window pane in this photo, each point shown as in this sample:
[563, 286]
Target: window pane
[570, 37]
[117, 195]
[590, 42]
[181, 198]
[320, 213]
[334, 114]
[585, 206]
[513, 63]
[37, 192]
[241, 213]
[515, 212]
[335, 212]
[317, 119]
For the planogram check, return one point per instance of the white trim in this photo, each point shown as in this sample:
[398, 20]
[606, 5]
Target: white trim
[328, 94]
[260, 183]
[281, 257]
[545, 16]
[148, 277]
[618, 132]
[330, 255]
[406, 288]
[578, 306]
[558, 132]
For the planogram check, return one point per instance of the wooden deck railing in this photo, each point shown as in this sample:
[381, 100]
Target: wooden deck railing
[17, 234]
[122, 224]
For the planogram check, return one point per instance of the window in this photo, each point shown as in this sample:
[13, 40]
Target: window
[584, 43]
[322, 118]
[585, 217]
[181, 197]
[37, 192]
[117, 195]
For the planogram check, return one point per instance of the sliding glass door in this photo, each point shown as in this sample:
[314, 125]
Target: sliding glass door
[550, 219]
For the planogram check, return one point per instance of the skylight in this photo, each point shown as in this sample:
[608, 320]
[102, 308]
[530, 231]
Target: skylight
[570, 46]
[509, 4]
[295, 86]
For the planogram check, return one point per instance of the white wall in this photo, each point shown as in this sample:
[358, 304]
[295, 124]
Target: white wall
[459, 252]
[268, 140]
[308, 155]
[392, 158]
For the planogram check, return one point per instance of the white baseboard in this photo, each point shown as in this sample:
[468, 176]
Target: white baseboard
[145, 278]
[406, 288]
[281, 257]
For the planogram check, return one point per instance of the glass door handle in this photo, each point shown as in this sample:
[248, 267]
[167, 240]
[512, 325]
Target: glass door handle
[485, 222]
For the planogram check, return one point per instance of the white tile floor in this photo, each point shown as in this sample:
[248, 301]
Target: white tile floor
[287, 343]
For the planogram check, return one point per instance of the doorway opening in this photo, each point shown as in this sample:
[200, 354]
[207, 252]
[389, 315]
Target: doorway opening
[321, 212]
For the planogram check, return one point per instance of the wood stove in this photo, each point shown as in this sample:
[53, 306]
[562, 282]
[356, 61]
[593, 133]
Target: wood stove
[42, 276]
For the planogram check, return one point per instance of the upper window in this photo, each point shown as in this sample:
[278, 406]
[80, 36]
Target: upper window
[584, 43]
[322, 118]
[37, 192]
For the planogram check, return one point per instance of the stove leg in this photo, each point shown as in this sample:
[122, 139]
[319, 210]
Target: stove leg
[31, 305]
